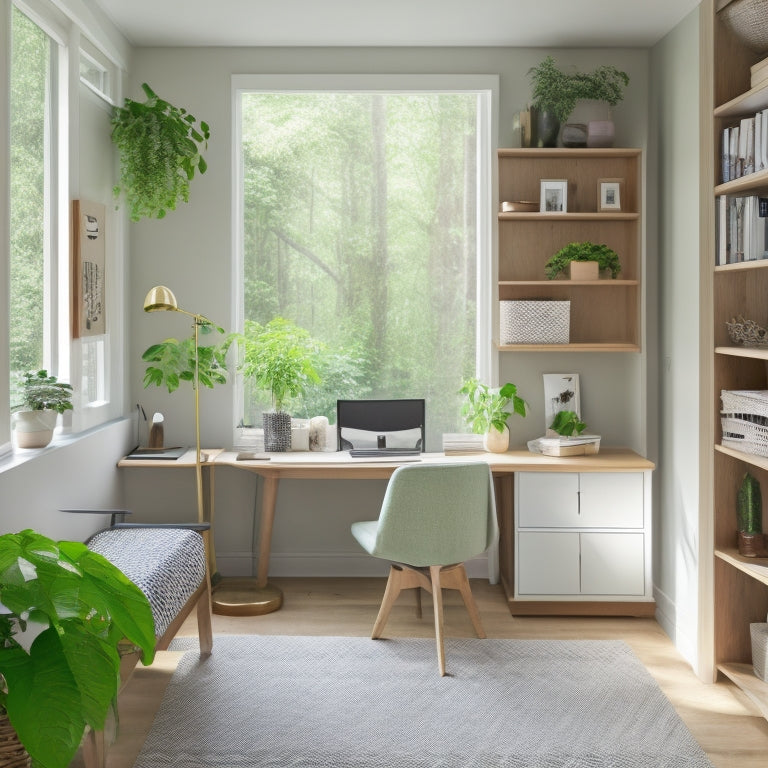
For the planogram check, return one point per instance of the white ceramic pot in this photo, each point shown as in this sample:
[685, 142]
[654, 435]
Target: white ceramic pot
[34, 429]
[495, 441]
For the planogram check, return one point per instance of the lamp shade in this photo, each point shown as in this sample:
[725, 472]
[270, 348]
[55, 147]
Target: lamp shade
[160, 298]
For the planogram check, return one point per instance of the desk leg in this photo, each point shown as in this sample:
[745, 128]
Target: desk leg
[253, 597]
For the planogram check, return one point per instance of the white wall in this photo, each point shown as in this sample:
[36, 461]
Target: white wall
[191, 252]
[675, 110]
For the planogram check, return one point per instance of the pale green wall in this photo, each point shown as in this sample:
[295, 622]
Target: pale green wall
[675, 110]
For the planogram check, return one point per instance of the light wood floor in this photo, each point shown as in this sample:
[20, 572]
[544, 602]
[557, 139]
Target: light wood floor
[719, 716]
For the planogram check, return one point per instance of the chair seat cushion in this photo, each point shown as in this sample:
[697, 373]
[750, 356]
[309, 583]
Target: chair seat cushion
[365, 533]
[166, 564]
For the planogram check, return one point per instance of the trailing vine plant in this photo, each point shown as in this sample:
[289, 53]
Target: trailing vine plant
[160, 149]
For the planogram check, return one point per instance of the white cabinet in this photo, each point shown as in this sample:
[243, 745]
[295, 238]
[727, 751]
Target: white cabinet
[583, 537]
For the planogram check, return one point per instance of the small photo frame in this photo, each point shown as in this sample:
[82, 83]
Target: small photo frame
[554, 196]
[609, 193]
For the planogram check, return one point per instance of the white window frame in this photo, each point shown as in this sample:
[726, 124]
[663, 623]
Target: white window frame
[488, 88]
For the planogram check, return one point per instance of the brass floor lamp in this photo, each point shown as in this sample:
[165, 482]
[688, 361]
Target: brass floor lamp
[236, 597]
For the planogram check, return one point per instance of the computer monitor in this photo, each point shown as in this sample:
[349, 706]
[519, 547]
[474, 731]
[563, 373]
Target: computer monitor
[380, 424]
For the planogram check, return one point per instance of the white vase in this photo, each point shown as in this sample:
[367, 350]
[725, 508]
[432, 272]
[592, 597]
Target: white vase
[34, 429]
[495, 441]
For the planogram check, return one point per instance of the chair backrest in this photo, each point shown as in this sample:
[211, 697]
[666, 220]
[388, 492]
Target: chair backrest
[437, 514]
[369, 423]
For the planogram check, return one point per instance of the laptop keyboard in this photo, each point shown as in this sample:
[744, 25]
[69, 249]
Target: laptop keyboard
[362, 452]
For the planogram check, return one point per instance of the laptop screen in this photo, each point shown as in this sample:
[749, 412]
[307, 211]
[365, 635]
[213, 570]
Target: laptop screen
[383, 424]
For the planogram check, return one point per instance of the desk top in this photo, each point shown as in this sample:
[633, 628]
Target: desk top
[332, 465]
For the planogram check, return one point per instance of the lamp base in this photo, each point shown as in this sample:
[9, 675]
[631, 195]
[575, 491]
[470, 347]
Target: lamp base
[243, 597]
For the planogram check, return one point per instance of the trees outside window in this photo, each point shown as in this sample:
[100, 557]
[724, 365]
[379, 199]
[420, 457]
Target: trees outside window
[360, 224]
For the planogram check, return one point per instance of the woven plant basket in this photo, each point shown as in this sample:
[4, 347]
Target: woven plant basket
[747, 20]
[12, 753]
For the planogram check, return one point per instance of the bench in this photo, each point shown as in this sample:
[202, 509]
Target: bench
[169, 565]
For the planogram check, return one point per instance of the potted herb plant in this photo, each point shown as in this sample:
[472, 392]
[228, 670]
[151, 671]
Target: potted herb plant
[485, 411]
[41, 398]
[556, 93]
[160, 151]
[279, 358]
[603, 257]
[67, 676]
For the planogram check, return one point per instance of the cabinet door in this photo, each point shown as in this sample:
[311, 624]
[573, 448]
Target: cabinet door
[547, 563]
[611, 499]
[612, 564]
[547, 499]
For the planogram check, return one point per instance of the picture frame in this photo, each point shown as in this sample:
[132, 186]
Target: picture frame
[609, 194]
[561, 393]
[88, 259]
[553, 196]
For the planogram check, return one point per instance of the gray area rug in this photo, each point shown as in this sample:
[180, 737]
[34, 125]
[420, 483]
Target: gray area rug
[351, 702]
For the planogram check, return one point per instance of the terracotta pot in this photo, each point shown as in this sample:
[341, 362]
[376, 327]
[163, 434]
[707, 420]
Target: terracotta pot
[752, 545]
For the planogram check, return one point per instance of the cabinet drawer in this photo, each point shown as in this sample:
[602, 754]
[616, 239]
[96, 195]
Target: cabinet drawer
[579, 500]
[548, 563]
[612, 564]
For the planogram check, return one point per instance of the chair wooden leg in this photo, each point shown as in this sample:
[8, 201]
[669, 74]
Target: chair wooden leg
[462, 584]
[204, 627]
[437, 601]
[418, 602]
[94, 749]
[391, 592]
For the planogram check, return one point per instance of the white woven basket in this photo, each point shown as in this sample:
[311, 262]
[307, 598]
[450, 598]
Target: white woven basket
[759, 634]
[535, 322]
[753, 402]
[744, 435]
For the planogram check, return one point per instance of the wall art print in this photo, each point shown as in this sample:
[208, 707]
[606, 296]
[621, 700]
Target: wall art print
[88, 269]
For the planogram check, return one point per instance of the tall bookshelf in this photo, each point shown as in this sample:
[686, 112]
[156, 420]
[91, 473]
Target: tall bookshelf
[740, 584]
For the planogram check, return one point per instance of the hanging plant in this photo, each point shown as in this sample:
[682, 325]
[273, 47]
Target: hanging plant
[159, 147]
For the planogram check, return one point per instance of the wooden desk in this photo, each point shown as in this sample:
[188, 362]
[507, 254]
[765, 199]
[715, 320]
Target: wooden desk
[332, 466]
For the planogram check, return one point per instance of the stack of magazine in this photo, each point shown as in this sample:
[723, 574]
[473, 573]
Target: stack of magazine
[458, 443]
[583, 445]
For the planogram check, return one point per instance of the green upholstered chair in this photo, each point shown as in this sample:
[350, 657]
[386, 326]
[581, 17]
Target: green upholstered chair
[433, 518]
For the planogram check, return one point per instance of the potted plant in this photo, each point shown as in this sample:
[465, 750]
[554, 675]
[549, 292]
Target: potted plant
[604, 258]
[566, 423]
[159, 147]
[556, 93]
[41, 399]
[279, 358]
[67, 676]
[485, 411]
[749, 518]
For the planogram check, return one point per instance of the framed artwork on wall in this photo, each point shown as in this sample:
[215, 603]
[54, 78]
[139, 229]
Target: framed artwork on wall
[561, 393]
[88, 269]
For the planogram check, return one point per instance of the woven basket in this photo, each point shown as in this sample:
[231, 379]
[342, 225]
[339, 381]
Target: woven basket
[743, 435]
[750, 402]
[747, 20]
[12, 753]
[535, 322]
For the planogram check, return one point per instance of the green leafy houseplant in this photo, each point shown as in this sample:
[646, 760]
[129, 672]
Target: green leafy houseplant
[567, 423]
[485, 409]
[69, 676]
[160, 150]
[41, 392]
[606, 258]
[279, 358]
[557, 91]
[172, 361]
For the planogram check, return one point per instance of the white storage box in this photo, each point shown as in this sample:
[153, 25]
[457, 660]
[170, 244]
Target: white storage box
[535, 322]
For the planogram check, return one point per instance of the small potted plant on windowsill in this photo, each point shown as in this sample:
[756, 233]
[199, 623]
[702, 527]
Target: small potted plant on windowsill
[575, 255]
[279, 358]
[41, 399]
[485, 411]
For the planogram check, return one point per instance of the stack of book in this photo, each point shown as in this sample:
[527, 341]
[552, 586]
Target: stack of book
[741, 229]
[458, 443]
[583, 445]
[745, 147]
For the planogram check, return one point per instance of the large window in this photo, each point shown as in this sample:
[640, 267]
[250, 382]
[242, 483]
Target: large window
[32, 188]
[360, 214]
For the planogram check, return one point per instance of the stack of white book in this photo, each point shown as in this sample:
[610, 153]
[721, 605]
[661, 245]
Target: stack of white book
[462, 443]
[583, 445]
